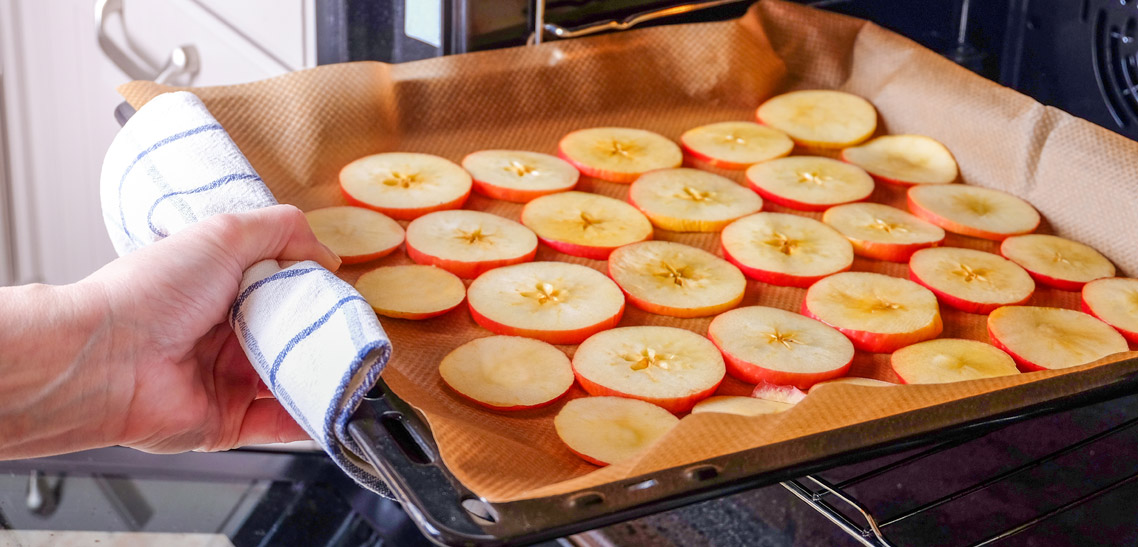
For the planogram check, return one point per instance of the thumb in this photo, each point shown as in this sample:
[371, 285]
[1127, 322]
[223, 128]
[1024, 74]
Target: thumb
[280, 232]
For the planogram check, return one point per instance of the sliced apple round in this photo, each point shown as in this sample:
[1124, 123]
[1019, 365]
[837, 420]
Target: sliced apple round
[518, 175]
[556, 302]
[735, 145]
[973, 211]
[690, 200]
[878, 313]
[404, 185]
[411, 291]
[904, 159]
[851, 380]
[355, 234]
[743, 406]
[768, 345]
[508, 372]
[787, 250]
[673, 279]
[809, 183]
[969, 280]
[618, 154]
[585, 225]
[820, 118]
[468, 243]
[606, 430]
[1051, 338]
[1115, 301]
[883, 232]
[670, 367]
[1057, 262]
[950, 360]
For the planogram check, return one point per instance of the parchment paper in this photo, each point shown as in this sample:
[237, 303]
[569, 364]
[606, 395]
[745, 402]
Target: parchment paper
[298, 130]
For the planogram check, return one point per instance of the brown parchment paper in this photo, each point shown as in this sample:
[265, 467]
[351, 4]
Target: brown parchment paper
[298, 130]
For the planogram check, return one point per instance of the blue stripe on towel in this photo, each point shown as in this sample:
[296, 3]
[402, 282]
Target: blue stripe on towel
[300, 336]
[172, 138]
[215, 184]
[283, 274]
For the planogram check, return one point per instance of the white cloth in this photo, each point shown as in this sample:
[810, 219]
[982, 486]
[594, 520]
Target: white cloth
[312, 338]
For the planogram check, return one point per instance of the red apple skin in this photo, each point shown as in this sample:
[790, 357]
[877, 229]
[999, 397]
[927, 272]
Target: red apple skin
[692, 154]
[960, 303]
[406, 214]
[890, 252]
[559, 337]
[675, 405]
[754, 374]
[1129, 335]
[1022, 364]
[585, 251]
[513, 194]
[360, 259]
[777, 278]
[1053, 282]
[589, 459]
[794, 204]
[883, 343]
[419, 316]
[611, 176]
[931, 218]
[466, 270]
[508, 408]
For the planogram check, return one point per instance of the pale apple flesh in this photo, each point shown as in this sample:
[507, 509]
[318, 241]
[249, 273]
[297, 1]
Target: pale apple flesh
[355, 234]
[883, 232]
[508, 372]
[950, 360]
[411, 291]
[690, 200]
[809, 183]
[783, 249]
[878, 313]
[666, 366]
[1051, 338]
[607, 430]
[618, 154]
[673, 279]
[1057, 262]
[973, 211]
[555, 302]
[735, 145]
[468, 243]
[742, 406]
[904, 159]
[785, 394]
[820, 118]
[969, 280]
[853, 381]
[405, 185]
[1114, 300]
[585, 225]
[518, 175]
[764, 345]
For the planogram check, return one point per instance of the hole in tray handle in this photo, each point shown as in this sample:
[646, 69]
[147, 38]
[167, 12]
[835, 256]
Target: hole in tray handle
[702, 473]
[586, 500]
[407, 440]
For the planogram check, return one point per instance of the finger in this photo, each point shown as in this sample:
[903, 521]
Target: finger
[266, 421]
[280, 232]
[263, 390]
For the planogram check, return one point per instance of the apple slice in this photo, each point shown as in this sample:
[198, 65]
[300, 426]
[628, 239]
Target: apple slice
[904, 159]
[883, 232]
[877, 312]
[618, 154]
[783, 249]
[690, 200]
[735, 145]
[670, 367]
[673, 279]
[557, 302]
[517, 175]
[1050, 338]
[950, 360]
[973, 211]
[1057, 262]
[1114, 300]
[820, 118]
[404, 185]
[468, 243]
[743, 406]
[585, 225]
[606, 430]
[851, 380]
[788, 395]
[355, 234]
[508, 372]
[969, 280]
[809, 183]
[764, 345]
[411, 291]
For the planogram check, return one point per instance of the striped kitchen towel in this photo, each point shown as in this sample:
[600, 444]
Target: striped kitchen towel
[312, 338]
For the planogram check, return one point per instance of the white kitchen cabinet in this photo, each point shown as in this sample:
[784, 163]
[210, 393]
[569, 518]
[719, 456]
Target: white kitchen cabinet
[58, 98]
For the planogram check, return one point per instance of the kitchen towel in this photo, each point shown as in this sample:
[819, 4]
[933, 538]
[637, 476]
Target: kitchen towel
[312, 338]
